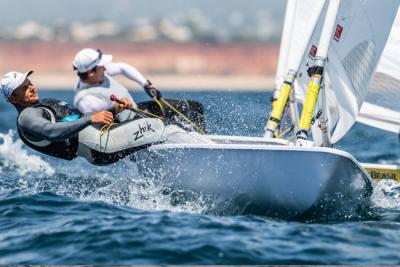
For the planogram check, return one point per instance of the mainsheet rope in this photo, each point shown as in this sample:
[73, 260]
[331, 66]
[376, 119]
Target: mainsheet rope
[106, 128]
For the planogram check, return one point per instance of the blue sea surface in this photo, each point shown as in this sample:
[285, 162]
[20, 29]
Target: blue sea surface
[71, 212]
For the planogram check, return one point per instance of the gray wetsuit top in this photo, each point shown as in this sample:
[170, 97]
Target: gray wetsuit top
[33, 122]
[52, 127]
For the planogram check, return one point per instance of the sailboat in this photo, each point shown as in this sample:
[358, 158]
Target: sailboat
[299, 175]
[385, 81]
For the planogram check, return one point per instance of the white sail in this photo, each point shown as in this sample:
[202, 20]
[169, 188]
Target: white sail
[362, 28]
[300, 19]
[286, 42]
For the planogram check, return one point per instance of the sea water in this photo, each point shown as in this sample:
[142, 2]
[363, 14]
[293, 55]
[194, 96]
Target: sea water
[70, 212]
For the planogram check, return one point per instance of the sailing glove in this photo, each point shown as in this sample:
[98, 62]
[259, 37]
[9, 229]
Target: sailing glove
[151, 90]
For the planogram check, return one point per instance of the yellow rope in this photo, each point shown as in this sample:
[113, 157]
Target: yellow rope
[103, 131]
[285, 132]
[147, 113]
[183, 116]
[160, 105]
[106, 128]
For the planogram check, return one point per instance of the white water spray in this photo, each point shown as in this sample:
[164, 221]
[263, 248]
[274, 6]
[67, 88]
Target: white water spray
[14, 156]
[386, 194]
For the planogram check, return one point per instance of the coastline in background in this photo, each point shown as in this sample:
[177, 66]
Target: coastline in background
[192, 66]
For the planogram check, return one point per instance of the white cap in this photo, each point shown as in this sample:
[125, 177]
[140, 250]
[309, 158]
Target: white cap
[12, 81]
[89, 58]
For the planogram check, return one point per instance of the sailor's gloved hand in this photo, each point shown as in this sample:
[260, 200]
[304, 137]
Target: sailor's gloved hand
[102, 117]
[151, 90]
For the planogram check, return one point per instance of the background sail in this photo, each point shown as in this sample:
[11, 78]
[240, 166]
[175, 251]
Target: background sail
[380, 117]
[389, 64]
[384, 90]
[362, 29]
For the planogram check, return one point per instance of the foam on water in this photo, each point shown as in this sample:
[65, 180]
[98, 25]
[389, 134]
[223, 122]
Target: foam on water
[14, 156]
[119, 183]
[386, 195]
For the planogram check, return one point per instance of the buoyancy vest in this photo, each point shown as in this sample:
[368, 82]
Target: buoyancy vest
[55, 111]
[103, 91]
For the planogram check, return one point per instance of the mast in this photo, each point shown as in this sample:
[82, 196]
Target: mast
[301, 19]
[323, 120]
[317, 71]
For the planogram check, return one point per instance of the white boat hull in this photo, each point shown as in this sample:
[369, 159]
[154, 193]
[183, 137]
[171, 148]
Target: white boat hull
[274, 180]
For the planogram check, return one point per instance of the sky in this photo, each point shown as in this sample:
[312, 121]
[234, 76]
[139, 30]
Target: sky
[14, 12]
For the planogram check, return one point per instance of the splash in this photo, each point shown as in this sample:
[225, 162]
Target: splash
[386, 194]
[119, 184]
[144, 193]
[13, 156]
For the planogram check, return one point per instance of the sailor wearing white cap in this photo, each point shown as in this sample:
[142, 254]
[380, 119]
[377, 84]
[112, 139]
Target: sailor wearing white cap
[96, 85]
[12, 81]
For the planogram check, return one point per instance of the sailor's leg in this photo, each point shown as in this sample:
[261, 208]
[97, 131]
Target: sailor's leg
[105, 146]
[102, 147]
[100, 158]
[130, 134]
